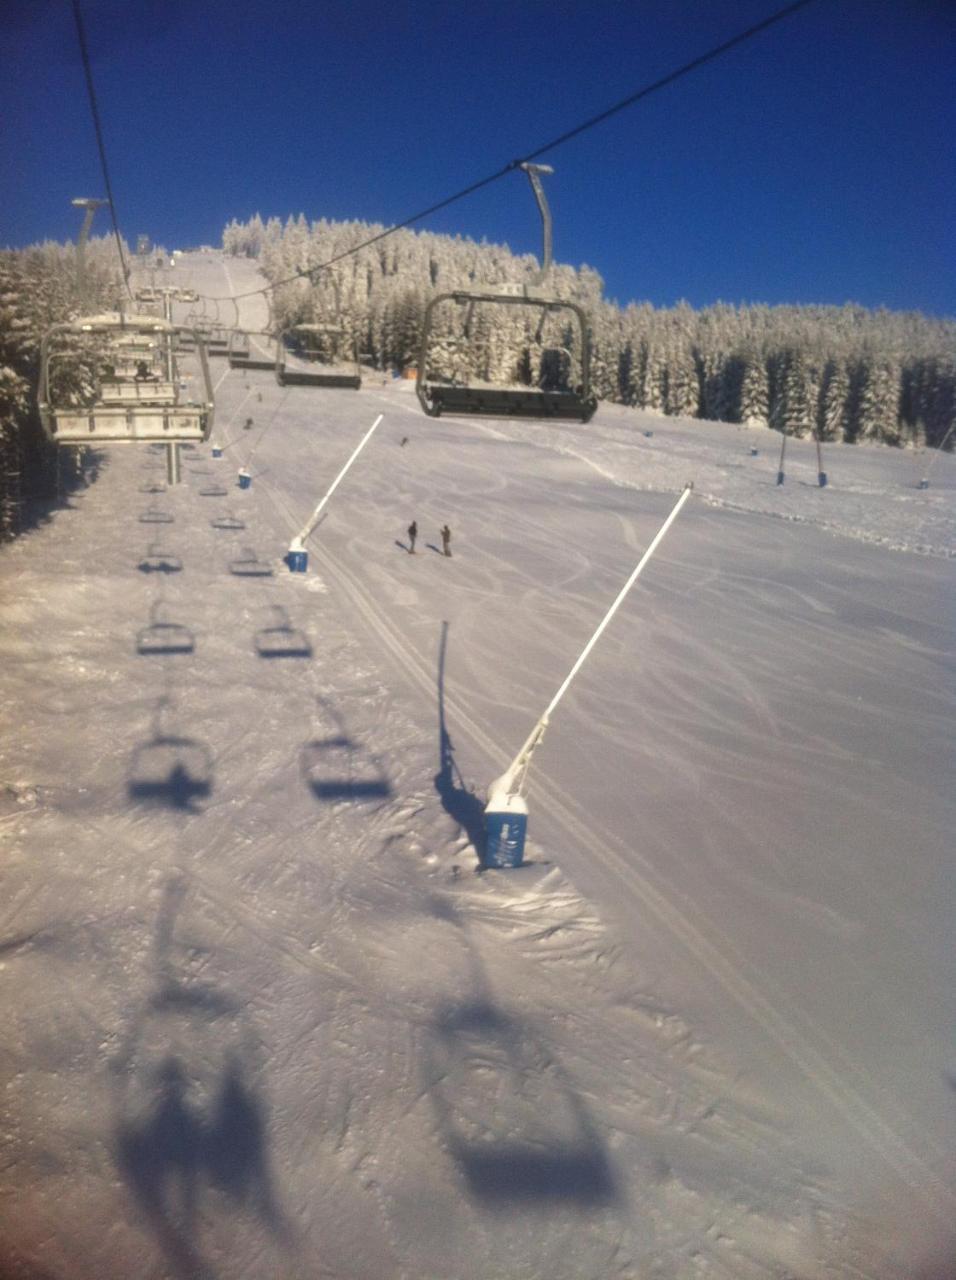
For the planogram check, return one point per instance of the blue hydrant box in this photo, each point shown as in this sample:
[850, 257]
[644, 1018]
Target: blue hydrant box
[506, 824]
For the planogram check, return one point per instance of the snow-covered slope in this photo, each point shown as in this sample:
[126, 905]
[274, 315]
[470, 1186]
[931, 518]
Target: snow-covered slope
[263, 1018]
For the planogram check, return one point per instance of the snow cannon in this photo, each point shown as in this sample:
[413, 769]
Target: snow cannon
[648, 434]
[217, 451]
[923, 484]
[506, 813]
[754, 451]
[822, 479]
[245, 479]
[297, 558]
[780, 477]
[506, 825]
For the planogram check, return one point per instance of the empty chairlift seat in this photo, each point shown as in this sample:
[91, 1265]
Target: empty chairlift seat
[550, 380]
[250, 350]
[549, 394]
[216, 341]
[317, 355]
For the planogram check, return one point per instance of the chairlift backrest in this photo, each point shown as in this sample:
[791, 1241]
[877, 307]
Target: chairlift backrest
[147, 408]
[553, 398]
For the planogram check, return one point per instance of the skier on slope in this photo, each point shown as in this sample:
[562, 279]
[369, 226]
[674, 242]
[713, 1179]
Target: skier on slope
[412, 535]
[446, 539]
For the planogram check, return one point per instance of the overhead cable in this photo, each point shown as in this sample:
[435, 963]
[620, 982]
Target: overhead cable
[633, 98]
[94, 110]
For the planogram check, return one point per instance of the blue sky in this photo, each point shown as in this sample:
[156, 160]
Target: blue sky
[815, 164]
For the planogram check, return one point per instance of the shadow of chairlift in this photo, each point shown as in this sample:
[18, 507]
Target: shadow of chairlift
[213, 491]
[248, 565]
[228, 522]
[336, 768]
[152, 515]
[155, 487]
[282, 640]
[160, 638]
[158, 561]
[169, 769]
[509, 1116]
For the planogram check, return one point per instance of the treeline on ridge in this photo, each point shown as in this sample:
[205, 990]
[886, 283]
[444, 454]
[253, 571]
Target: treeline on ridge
[848, 372]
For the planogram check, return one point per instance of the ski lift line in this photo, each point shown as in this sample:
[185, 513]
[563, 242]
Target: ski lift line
[512, 780]
[299, 540]
[232, 439]
[261, 436]
[938, 449]
[645, 92]
[98, 128]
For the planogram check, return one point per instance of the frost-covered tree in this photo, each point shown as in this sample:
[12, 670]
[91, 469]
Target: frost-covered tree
[791, 407]
[832, 401]
[683, 385]
[754, 392]
[879, 410]
[39, 288]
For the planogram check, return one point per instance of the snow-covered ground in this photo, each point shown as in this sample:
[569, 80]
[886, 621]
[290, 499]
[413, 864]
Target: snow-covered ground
[262, 1017]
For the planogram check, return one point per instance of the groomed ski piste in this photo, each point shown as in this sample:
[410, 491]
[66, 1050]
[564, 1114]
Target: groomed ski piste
[263, 1017]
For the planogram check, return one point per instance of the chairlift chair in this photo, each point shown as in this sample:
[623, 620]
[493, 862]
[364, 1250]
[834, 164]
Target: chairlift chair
[113, 410]
[327, 347]
[217, 341]
[241, 346]
[549, 399]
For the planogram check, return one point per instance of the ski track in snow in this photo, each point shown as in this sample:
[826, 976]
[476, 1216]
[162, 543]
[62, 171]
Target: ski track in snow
[263, 1018]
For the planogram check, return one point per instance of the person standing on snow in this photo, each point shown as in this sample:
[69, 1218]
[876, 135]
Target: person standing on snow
[446, 539]
[412, 535]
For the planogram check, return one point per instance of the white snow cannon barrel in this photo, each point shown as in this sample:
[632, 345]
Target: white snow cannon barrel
[245, 479]
[506, 824]
[506, 813]
[297, 558]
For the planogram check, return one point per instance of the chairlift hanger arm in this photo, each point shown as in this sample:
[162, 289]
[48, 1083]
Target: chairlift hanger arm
[533, 171]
